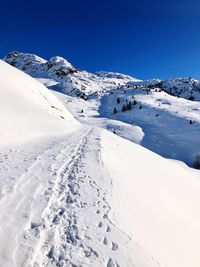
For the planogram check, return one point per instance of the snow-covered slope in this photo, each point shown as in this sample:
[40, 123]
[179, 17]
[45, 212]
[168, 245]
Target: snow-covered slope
[182, 87]
[171, 125]
[187, 88]
[34, 65]
[156, 203]
[94, 199]
[28, 109]
[152, 83]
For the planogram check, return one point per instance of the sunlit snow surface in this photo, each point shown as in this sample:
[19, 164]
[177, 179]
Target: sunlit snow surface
[73, 193]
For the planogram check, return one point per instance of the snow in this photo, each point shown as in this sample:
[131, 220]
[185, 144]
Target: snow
[81, 186]
[87, 112]
[28, 109]
[155, 202]
[143, 83]
[83, 84]
[116, 75]
[164, 119]
[182, 87]
[68, 79]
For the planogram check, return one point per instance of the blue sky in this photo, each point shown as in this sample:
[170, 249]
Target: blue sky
[146, 39]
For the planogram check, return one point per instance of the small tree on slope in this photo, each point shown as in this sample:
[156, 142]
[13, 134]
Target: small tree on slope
[114, 110]
[124, 108]
[196, 163]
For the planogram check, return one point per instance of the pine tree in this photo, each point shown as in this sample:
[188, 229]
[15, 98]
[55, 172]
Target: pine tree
[114, 110]
[191, 98]
[118, 100]
[123, 108]
[129, 106]
[196, 163]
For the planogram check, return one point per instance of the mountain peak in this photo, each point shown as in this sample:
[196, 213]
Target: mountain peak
[16, 57]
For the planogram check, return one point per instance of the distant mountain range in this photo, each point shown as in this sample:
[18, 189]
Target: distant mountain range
[61, 75]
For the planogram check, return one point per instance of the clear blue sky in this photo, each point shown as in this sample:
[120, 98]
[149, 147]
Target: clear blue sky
[146, 39]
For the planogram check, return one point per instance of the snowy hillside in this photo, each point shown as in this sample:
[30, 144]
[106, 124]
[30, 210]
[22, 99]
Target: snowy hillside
[182, 87]
[171, 125]
[101, 182]
[187, 88]
[155, 201]
[37, 66]
[28, 109]
[153, 83]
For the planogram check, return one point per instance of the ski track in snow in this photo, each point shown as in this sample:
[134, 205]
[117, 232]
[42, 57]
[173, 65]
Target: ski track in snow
[60, 209]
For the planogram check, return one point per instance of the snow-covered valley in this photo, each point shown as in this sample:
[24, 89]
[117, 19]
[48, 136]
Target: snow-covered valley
[84, 183]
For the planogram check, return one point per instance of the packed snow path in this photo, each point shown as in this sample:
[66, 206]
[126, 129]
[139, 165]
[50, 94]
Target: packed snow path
[56, 212]
[85, 199]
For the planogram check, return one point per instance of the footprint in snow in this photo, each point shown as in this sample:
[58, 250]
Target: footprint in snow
[115, 246]
[105, 241]
[100, 225]
[108, 229]
[112, 264]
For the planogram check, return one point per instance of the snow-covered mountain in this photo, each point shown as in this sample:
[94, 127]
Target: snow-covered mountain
[187, 88]
[59, 73]
[101, 182]
[152, 83]
[34, 65]
[182, 87]
[72, 81]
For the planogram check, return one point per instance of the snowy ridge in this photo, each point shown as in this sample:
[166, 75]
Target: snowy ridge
[116, 75]
[72, 81]
[34, 65]
[188, 88]
[152, 83]
[28, 109]
[66, 78]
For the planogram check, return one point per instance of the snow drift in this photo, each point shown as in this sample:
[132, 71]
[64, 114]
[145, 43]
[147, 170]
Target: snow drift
[27, 109]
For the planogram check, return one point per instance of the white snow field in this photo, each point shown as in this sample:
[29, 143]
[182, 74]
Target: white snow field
[74, 194]
[156, 202]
